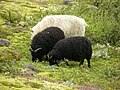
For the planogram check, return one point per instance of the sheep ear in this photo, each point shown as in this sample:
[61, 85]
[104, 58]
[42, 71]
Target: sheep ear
[37, 49]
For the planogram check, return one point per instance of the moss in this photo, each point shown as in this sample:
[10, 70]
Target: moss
[34, 85]
[7, 53]
[5, 31]
[15, 83]
[103, 74]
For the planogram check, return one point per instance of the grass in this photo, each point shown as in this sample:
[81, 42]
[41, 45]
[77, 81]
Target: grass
[104, 73]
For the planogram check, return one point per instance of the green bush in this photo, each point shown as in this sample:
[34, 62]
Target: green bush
[104, 26]
[105, 51]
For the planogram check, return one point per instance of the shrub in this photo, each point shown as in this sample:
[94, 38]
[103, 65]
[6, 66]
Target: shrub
[105, 51]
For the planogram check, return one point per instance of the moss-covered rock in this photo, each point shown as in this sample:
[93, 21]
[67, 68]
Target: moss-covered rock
[4, 42]
[7, 53]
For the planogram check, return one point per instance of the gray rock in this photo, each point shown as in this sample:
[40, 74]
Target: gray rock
[30, 67]
[4, 42]
[67, 2]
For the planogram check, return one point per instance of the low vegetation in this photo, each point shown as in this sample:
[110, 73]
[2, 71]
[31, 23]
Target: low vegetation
[16, 19]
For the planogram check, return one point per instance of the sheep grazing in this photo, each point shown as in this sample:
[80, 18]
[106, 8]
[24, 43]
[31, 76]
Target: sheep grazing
[71, 25]
[44, 41]
[73, 48]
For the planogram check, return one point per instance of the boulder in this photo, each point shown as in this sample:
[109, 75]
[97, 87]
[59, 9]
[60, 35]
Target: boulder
[4, 42]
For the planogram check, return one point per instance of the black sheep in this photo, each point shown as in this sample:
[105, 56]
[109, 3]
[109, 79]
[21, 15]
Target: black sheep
[44, 41]
[73, 48]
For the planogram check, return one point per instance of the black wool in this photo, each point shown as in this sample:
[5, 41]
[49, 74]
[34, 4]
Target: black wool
[73, 48]
[44, 41]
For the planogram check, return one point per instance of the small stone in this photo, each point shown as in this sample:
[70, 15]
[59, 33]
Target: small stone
[4, 42]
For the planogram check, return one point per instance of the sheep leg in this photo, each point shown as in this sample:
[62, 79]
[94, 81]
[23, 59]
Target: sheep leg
[57, 64]
[88, 63]
[39, 59]
[81, 63]
[46, 57]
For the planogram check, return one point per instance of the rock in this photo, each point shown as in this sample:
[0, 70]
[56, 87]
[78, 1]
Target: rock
[42, 3]
[28, 71]
[23, 24]
[52, 67]
[67, 2]
[4, 42]
[30, 67]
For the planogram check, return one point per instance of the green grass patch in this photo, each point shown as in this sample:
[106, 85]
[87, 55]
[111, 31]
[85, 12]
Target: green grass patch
[17, 16]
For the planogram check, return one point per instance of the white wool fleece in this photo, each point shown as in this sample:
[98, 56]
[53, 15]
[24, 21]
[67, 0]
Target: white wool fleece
[71, 25]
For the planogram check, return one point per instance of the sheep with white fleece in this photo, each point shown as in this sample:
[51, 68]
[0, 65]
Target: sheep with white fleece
[71, 25]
